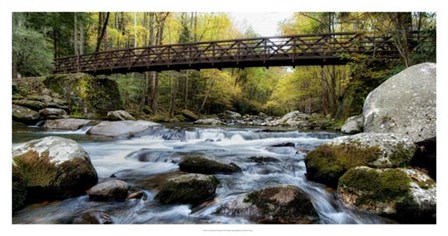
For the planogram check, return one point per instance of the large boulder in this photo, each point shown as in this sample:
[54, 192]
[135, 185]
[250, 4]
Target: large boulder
[294, 118]
[66, 124]
[111, 190]
[230, 115]
[119, 115]
[24, 114]
[202, 165]
[188, 189]
[54, 168]
[127, 128]
[87, 96]
[189, 115]
[209, 121]
[331, 160]
[405, 194]
[405, 104]
[353, 125]
[31, 104]
[280, 204]
[53, 113]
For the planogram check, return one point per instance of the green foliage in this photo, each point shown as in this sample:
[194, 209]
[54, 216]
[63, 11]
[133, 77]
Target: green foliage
[327, 163]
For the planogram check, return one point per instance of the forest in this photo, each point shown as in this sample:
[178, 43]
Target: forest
[335, 92]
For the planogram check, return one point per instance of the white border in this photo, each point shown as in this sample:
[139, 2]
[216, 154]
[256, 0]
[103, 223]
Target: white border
[223, 6]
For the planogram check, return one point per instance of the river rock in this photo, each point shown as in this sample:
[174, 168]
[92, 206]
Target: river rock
[111, 190]
[405, 104]
[405, 194]
[18, 188]
[353, 125]
[53, 113]
[54, 168]
[24, 114]
[122, 128]
[119, 115]
[189, 115]
[275, 205]
[202, 165]
[294, 118]
[330, 161]
[230, 115]
[187, 189]
[32, 104]
[93, 217]
[209, 121]
[66, 124]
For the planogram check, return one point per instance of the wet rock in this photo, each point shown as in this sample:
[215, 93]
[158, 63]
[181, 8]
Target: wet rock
[275, 205]
[93, 217]
[18, 188]
[210, 121]
[136, 195]
[197, 164]
[67, 124]
[330, 161]
[119, 115]
[24, 114]
[189, 115]
[111, 190]
[187, 189]
[353, 125]
[263, 159]
[54, 168]
[407, 195]
[284, 144]
[405, 104]
[122, 128]
[53, 113]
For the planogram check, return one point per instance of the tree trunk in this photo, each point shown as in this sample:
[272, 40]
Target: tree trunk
[75, 34]
[207, 95]
[102, 32]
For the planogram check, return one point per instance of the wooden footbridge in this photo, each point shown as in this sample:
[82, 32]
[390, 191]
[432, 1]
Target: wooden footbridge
[294, 50]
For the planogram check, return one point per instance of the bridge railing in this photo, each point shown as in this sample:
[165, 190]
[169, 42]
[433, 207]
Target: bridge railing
[293, 49]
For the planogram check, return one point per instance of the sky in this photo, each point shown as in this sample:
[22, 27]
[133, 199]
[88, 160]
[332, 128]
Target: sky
[264, 23]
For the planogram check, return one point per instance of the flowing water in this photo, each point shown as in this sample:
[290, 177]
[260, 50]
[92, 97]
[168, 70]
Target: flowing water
[145, 162]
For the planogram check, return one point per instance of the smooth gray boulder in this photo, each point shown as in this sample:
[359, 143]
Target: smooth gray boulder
[53, 113]
[119, 115]
[111, 190]
[54, 168]
[294, 118]
[66, 124]
[405, 104]
[127, 128]
[353, 125]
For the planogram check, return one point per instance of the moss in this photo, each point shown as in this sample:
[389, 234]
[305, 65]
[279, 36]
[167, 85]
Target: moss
[18, 189]
[38, 171]
[327, 163]
[401, 156]
[373, 186]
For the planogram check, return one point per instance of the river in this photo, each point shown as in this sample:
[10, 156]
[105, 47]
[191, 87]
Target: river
[145, 162]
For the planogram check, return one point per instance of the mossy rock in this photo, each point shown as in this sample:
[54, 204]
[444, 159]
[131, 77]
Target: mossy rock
[284, 204]
[54, 168]
[197, 164]
[188, 189]
[404, 194]
[88, 96]
[189, 115]
[18, 189]
[328, 162]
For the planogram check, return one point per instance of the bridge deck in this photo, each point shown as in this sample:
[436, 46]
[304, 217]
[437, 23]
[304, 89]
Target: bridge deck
[295, 50]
